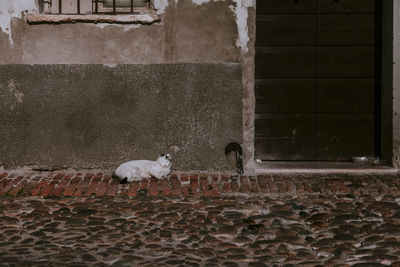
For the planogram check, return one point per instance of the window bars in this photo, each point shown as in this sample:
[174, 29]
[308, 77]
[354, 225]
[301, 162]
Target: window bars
[119, 6]
[78, 7]
[109, 6]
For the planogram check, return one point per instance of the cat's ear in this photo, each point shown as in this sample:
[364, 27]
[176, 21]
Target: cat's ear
[161, 155]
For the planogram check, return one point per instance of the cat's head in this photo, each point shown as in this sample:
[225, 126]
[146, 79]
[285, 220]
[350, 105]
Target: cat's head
[165, 160]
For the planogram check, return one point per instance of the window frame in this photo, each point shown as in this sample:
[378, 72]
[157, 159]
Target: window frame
[100, 9]
[97, 8]
[144, 16]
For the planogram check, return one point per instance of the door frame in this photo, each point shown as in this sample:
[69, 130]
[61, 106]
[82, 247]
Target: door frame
[386, 142]
[386, 123]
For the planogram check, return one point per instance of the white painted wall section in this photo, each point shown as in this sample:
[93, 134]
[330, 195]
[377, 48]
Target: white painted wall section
[240, 9]
[241, 14]
[10, 9]
[160, 6]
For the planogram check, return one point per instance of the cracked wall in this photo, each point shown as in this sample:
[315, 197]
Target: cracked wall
[9, 11]
[197, 31]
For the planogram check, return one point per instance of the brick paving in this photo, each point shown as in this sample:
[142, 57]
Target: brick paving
[183, 185]
[71, 218]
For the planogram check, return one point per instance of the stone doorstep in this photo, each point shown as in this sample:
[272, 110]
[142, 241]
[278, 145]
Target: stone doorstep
[181, 185]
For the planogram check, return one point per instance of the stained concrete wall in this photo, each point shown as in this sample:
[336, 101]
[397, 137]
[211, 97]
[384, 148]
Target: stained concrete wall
[199, 32]
[96, 116]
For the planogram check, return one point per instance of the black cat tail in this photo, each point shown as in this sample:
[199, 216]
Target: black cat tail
[233, 147]
[236, 147]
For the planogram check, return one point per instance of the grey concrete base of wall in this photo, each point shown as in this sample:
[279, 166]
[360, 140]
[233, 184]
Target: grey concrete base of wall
[91, 116]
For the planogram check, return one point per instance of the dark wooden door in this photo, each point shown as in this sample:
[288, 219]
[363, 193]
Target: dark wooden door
[316, 79]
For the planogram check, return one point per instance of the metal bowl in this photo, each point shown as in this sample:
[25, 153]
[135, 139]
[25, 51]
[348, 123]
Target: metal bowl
[360, 159]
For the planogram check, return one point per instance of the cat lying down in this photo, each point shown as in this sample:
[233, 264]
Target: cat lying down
[136, 170]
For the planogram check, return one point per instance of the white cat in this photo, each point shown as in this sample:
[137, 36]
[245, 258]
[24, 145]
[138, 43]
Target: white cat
[135, 170]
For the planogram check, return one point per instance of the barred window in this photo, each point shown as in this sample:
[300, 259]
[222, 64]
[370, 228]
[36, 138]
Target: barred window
[73, 7]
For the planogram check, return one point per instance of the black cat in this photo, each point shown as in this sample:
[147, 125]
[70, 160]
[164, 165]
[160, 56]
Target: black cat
[238, 151]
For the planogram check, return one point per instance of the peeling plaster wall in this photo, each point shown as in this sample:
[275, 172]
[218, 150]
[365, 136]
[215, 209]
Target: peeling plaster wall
[191, 31]
[13, 9]
[184, 35]
[241, 14]
[160, 5]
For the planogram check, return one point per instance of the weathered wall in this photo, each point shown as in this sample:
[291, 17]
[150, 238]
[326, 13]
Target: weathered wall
[191, 31]
[188, 33]
[249, 99]
[396, 85]
[97, 116]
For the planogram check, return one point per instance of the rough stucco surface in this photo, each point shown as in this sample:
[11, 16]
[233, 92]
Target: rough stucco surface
[96, 116]
[249, 101]
[189, 32]
[396, 86]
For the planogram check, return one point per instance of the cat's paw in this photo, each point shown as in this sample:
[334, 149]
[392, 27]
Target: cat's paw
[135, 179]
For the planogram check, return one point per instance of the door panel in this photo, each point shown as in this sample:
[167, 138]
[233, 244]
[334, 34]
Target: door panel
[346, 6]
[289, 136]
[285, 148]
[285, 85]
[285, 62]
[346, 30]
[346, 62]
[346, 95]
[341, 136]
[285, 95]
[285, 124]
[286, 30]
[317, 79]
[286, 7]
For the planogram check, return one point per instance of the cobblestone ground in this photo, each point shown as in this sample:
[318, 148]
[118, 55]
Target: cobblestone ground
[354, 223]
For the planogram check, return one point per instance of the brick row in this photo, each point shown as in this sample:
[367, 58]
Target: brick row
[194, 185]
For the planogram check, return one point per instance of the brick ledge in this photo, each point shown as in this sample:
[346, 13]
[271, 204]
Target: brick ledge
[182, 185]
